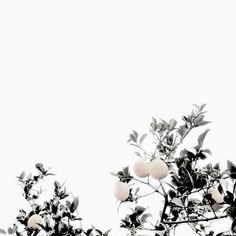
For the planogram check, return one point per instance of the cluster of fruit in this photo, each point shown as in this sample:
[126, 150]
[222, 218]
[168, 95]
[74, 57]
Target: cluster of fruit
[157, 169]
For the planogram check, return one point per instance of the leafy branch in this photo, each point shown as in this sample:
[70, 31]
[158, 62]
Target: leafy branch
[185, 176]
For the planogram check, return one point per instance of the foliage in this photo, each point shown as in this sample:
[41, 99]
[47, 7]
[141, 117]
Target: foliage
[188, 176]
[60, 214]
[194, 193]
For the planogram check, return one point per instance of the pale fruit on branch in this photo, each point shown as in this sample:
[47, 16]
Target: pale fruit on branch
[216, 195]
[121, 191]
[158, 169]
[34, 221]
[141, 168]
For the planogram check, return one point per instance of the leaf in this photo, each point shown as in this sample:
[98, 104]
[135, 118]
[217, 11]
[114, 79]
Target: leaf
[139, 210]
[144, 217]
[135, 145]
[142, 138]
[217, 166]
[107, 232]
[137, 190]
[198, 107]
[160, 227]
[132, 138]
[68, 203]
[229, 198]
[177, 202]
[164, 123]
[202, 123]
[231, 212]
[56, 184]
[74, 204]
[135, 133]
[22, 175]
[234, 188]
[199, 119]
[190, 177]
[232, 169]
[182, 130]
[172, 194]
[202, 106]
[113, 174]
[126, 171]
[220, 189]
[2, 231]
[170, 185]
[10, 230]
[208, 151]
[233, 226]
[138, 154]
[40, 167]
[29, 176]
[172, 124]
[202, 137]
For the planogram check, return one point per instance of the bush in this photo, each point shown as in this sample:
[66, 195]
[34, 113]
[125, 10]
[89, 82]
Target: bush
[185, 178]
[194, 193]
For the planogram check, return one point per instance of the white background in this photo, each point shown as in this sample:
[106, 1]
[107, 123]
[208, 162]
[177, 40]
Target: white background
[77, 76]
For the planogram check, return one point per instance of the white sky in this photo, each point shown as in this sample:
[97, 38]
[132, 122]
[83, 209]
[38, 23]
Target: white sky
[76, 77]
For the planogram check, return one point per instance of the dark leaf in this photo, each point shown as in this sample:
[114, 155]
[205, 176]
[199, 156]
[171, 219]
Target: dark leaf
[231, 212]
[139, 210]
[40, 167]
[172, 194]
[217, 166]
[234, 188]
[220, 189]
[232, 168]
[160, 227]
[107, 232]
[126, 171]
[56, 185]
[74, 204]
[229, 198]
[233, 226]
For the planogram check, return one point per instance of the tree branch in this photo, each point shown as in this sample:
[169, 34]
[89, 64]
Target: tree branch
[193, 221]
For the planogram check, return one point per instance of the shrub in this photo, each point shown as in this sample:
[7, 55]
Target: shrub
[178, 176]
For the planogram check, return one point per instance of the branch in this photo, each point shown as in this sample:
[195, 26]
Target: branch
[181, 140]
[148, 184]
[193, 221]
[164, 208]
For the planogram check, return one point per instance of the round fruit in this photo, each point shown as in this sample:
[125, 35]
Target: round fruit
[216, 195]
[34, 221]
[158, 169]
[121, 191]
[141, 168]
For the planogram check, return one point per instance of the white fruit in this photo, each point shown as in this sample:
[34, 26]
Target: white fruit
[216, 195]
[34, 220]
[158, 169]
[141, 168]
[121, 191]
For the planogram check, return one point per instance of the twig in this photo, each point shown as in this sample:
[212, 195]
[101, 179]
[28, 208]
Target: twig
[193, 221]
